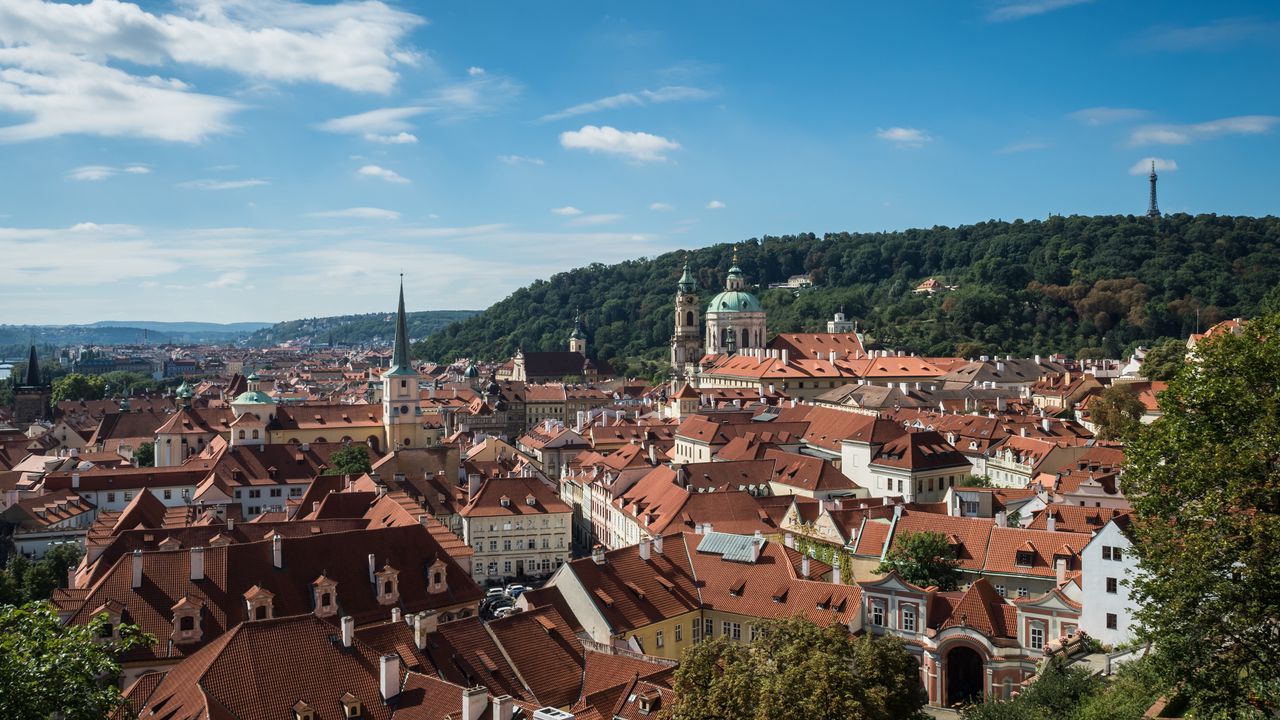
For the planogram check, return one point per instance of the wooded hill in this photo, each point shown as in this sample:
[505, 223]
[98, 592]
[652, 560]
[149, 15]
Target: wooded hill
[1085, 286]
[368, 329]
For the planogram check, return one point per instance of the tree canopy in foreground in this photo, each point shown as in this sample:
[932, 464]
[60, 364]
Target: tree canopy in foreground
[795, 669]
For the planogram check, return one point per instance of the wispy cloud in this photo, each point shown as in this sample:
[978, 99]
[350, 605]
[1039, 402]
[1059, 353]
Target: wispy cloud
[670, 93]
[1217, 35]
[1144, 166]
[1185, 134]
[222, 184]
[361, 213]
[639, 146]
[519, 160]
[599, 219]
[1021, 147]
[376, 171]
[904, 137]
[715, 205]
[102, 172]
[232, 279]
[1019, 9]
[566, 211]
[1107, 115]
[474, 71]
[661, 206]
[400, 138]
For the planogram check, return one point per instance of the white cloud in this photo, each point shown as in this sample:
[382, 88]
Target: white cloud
[1217, 35]
[1106, 115]
[671, 93]
[600, 219]
[715, 205]
[474, 71]
[639, 146]
[1185, 134]
[382, 173]
[102, 172]
[232, 279]
[519, 160]
[352, 45]
[566, 211]
[222, 184]
[1019, 9]
[1143, 166]
[904, 137]
[1021, 147]
[660, 206]
[362, 213]
[382, 120]
[400, 138]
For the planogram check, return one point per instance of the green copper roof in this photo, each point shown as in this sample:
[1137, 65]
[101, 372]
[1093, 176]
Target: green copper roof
[734, 301]
[253, 397]
[400, 363]
[184, 390]
[687, 283]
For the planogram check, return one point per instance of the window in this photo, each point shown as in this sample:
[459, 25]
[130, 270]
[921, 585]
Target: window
[275, 492]
[1112, 585]
[755, 632]
[255, 493]
[1115, 554]
[697, 631]
[679, 632]
[737, 631]
[546, 543]
[1000, 590]
[1025, 558]
[1037, 636]
[725, 628]
[658, 639]
[877, 614]
[186, 623]
[168, 494]
[909, 618]
[707, 629]
[506, 545]
[506, 566]
[111, 497]
[1112, 621]
[1022, 592]
[493, 546]
[128, 496]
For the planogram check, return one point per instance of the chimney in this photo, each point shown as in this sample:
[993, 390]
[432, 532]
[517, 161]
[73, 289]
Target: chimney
[1002, 519]
[474, 701]
[597, 554]
[789, 540]
[277, 550]
[305, 447]
[1051, 523]
[348, 630]
[786, 356]
[424, 623]
[389, 676]
[1045, 424]
[706, 528]
[503, 707]
[197, 563]
[653, 454]
[1022, 431]
[395, 615]
[473, 485]
[644, 548]
[75, 480]
[373, 567]
[1060, 570]
[657, 544]
[137, 569]
[835, 570]
[804, 566]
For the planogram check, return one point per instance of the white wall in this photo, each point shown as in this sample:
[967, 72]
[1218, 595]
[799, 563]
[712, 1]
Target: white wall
[1096, 601]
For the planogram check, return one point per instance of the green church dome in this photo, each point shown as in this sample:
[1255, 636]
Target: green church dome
[734, 301]
[253, 397]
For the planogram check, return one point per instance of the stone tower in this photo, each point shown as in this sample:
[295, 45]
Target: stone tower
[686, 348]
[578, 340]
[401, 398]
[31, 397]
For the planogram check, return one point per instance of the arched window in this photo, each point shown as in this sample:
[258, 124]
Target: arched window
[260, 613]
[241, 435]
[325, 600]
[746, 338]
[186, 623]
[688, 318]
[255, 434]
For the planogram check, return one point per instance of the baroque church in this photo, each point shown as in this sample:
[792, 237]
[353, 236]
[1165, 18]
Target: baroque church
[735, 322]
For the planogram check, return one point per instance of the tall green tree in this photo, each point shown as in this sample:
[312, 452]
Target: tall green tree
[145, 455]
[77, 387]
[1164, 360]
[923, 558]
[1204, 482]
[795, 669]
[1117, 412]
[23, 580]
[47, 667]
[350, 460]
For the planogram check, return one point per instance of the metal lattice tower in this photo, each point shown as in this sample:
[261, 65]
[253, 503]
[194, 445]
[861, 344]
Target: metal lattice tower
[1153, 209]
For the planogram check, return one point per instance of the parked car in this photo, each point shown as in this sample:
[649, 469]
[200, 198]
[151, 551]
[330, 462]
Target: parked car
[495, 592]
[516, 590]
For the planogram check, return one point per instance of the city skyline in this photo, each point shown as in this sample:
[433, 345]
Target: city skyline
[222, 162]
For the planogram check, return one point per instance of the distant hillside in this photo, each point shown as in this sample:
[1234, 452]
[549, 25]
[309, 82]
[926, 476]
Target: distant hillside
[1080, 285]
[185, 327]
[373, 328]
[121, 333]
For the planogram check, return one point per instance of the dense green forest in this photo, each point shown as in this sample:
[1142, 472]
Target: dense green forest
[376, 328]
[1085, 286]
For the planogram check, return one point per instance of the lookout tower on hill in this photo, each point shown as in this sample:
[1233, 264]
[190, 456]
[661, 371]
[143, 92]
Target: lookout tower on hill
[1153, 208]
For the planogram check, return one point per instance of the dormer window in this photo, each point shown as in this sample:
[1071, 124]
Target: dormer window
[351, 707]
[258, 602]
[436, 577]
[303, 711]
[387, 585]
[648, 701]
[186, 620]
[325, 592]
[530, 500]
[1025, 558]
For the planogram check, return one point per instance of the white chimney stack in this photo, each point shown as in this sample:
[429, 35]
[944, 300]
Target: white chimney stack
[474, 701]
[395, 615]
[137, 569]
[1002, 519]
[644, 548]
[277, 550]
[503, 707]
[789, 540]
[389, 676]
[657, 544]
[75, 480]
[804, 566]
[835, 570]
[1051, 523]
[197, 563]
[1060, 570]
[348, 630]
[372, 567]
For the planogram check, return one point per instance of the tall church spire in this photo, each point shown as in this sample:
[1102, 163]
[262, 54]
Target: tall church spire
[1153, 209]
[400, 356]
[33, 369]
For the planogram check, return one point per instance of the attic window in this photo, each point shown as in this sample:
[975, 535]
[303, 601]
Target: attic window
[780, 595]
[351, 708]
[530, 500]
[1025, 558]
[505, 501]
[738, 587]
[303, 711]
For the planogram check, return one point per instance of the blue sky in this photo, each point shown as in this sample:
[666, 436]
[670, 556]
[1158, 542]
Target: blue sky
[228, 160]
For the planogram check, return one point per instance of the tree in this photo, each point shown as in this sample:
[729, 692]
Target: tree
[24, 580]
[924, 559]
[145, 455]
[1117, 412]
[47, 667]
[77, 387]
[796, 669]
[350, 460]
[1204, 482]
[1163, 361]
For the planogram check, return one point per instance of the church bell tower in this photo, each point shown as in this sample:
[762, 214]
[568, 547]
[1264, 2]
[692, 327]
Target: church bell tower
[401, 399]
[686, 345]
